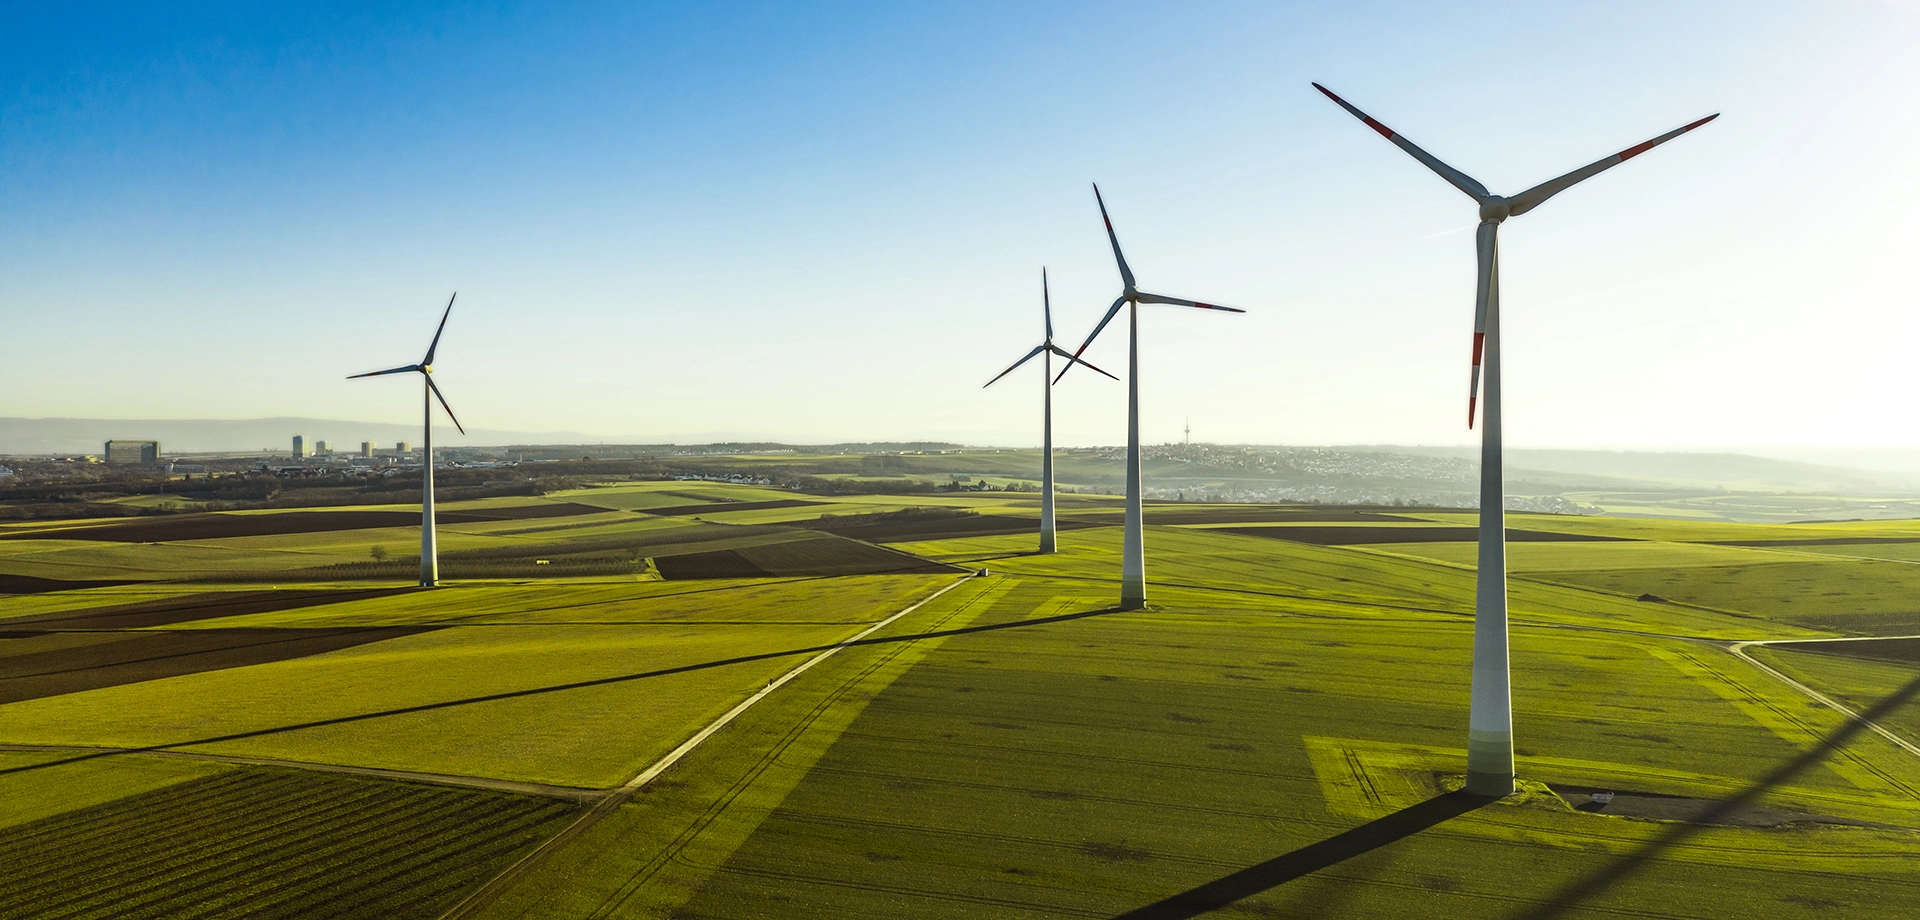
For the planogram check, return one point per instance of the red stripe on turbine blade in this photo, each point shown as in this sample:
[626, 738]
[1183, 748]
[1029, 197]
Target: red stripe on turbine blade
[1385, 131]
[1634, 151]
[1479, 339]
[1701, 122]
[1470, 404]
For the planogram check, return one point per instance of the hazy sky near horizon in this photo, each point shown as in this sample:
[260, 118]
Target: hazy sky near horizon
[820, 222]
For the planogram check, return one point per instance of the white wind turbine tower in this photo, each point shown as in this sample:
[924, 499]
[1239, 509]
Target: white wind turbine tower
[1047, 349]
[429, 557]
[1490, 723]
[1133, 558]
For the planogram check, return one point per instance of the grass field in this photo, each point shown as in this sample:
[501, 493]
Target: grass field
[1278, 735]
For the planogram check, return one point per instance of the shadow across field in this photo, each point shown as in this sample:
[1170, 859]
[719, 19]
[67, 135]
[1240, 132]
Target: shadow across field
[42, 663]
[1574, 895]
[1309, 859]
[561, 688]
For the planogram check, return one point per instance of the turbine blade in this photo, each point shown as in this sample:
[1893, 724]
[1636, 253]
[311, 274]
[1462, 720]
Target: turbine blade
[1075, 357]
[1069, 356]
[1533, 197]
[391, 370]
[1046, 303]
[1126, 274]
[1029, 357]
[436, 333]
[1177, 302]
[1460, 180]
[1487, 290]
[443, 403]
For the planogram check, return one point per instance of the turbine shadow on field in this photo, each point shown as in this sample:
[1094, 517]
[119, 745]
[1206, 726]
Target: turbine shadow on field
[1309, 859]
[1574, 894]
[559, 688]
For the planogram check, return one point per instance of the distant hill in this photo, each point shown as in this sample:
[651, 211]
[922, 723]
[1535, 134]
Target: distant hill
[1680, 468]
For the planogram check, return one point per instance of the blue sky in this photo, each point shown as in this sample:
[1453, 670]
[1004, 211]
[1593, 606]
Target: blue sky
[826, 222]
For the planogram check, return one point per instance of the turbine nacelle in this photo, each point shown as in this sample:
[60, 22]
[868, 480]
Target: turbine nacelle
[425, 369]
[1129, 294]
[1495, 209]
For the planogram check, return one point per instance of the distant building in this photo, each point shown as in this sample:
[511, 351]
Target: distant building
[133, 452]
[322, 447]
[403, 448]
[299, 447]
[366, 448]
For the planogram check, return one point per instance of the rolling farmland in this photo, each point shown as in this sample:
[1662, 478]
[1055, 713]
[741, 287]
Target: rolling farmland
[261, 720]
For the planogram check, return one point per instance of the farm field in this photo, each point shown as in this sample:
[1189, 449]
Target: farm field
[1279, 734]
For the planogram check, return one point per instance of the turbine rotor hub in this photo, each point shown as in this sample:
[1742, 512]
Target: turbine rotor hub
[1495, 209]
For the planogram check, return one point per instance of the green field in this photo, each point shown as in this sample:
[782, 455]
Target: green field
[1279, 734]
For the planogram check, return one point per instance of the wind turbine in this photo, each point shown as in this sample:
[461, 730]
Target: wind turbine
[1490, 723]
[429, 558]
[1133, 558]
[1047, 349]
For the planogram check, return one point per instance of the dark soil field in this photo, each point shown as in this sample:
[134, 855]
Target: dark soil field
[187, 608]
[1692, 810]
[1903, 650]
[723, 563]
[1359, 536]
[267, 844]
[718, 507]
[908, 530]
[29, 584]
[1249, 514]
[823, 556]
[41, 663]
[214, 526]
[837, 556]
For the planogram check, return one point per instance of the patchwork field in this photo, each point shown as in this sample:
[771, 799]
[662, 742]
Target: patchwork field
[261, 719]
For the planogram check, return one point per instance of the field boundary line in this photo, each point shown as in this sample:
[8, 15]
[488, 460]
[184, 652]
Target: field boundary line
[486, 893]
[518, 787]
[1739, 650]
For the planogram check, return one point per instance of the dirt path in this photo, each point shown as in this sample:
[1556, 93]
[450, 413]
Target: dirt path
[1739, 649]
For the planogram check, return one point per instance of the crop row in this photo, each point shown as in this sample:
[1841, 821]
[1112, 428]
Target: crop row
[268, 843]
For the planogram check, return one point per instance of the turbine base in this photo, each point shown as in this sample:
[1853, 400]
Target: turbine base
[1133, 594]
[1490, 763]
[1047, 543]
[1491, 785]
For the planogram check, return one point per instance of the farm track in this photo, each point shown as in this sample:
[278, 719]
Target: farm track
[267, 843]
[505, 879]
[1739, 650]
[675, 851]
